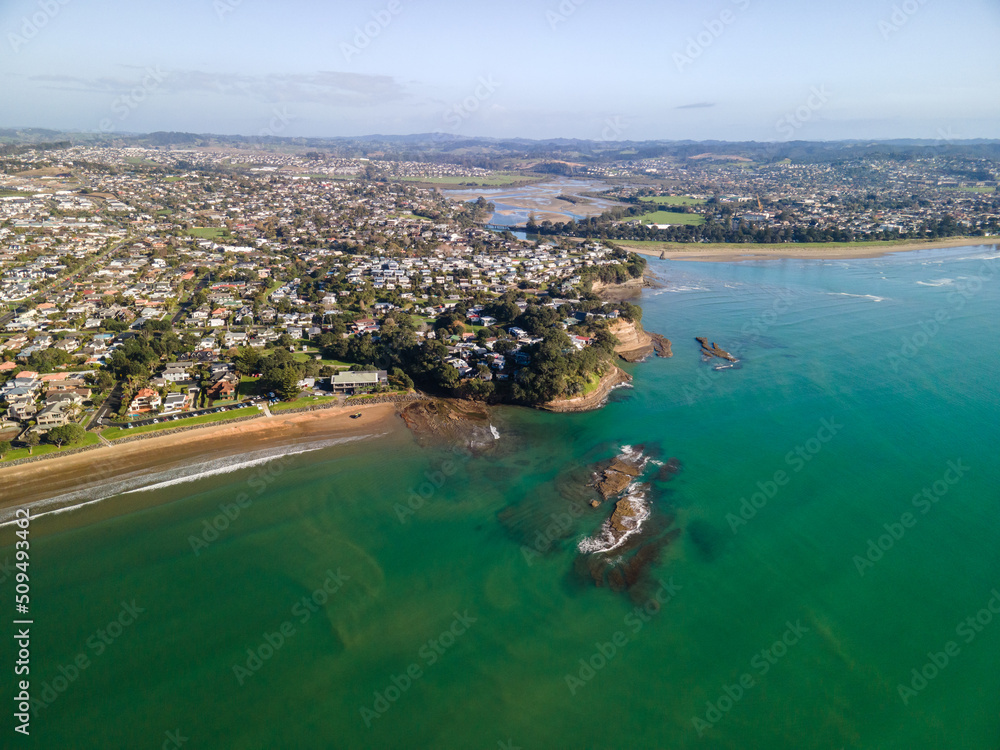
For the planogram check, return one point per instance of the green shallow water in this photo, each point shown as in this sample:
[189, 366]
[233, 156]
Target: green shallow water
[833, 350]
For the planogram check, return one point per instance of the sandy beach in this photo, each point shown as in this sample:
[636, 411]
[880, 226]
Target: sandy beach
[730, 253]
[29, 483]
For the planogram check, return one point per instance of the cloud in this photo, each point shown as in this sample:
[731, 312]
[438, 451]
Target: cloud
[324, 87]
[698, 105]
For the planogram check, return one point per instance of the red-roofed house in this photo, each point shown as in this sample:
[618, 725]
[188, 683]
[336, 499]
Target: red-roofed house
[145, 400]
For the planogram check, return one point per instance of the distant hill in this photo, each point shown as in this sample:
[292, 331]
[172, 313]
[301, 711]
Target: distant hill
[549, 153]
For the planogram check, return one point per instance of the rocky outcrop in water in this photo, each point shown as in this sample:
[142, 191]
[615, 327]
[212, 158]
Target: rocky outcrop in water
[661, 345]
[615, 478]
[713, 350]
[629, 543]
[627, 517]
[451, 422]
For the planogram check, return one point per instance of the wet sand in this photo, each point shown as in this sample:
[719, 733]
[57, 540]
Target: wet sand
[730, 253]
[40, 480]
[543, 199]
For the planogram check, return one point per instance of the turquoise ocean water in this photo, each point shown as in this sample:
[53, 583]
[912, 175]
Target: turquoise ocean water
[338, 608]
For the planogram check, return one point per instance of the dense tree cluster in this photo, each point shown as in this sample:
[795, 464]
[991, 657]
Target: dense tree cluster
[727, 227]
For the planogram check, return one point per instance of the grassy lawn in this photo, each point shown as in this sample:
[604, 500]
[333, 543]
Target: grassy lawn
[113, 433]
[673, 200]
[300, 403]
[5, 193]
[44, 449]
[971, 189]
[311, 357]
[208, 233]
[593, 381]
[668, 217]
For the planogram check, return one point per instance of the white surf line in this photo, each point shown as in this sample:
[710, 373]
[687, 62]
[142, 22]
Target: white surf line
[135, 484]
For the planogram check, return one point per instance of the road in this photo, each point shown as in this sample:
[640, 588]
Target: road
[196, 413]
[206, 280]
[101, 413]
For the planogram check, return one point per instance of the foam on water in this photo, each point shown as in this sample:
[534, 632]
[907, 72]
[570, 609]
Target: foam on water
[604, 540]
[140, 482]
[872, 297]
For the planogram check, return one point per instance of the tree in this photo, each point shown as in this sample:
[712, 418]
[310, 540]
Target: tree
[103, 380]
[4, 448]
[133, 359]
[248, 361]
[69, 434]
[286, 384]
[32, 440]
[400, 379]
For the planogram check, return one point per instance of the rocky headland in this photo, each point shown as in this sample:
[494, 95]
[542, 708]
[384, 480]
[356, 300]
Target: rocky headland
[612, 379]
[635, 344]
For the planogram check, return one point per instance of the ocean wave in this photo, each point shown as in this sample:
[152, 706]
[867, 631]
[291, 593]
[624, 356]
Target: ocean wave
[604, 540]
[634, 456]
[140, 482]
[687, 288]
[937, 282]
[872, 297]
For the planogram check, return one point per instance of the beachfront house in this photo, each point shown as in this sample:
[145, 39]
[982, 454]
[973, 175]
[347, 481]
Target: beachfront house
[21, 408]
[174, 403]
[55, 415]
[146, 400]
[222, 389]
[358, 382]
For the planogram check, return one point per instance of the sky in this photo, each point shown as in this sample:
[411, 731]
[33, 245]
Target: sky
[765, 70]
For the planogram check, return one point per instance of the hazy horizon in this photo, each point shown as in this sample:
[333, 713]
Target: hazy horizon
[736, 70]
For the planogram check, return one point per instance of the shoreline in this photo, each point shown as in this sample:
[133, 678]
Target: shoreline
[594, 400]
[36, 482]
[716, 253]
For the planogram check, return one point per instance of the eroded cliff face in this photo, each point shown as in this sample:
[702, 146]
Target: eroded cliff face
[614, 292]
[633, 342]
